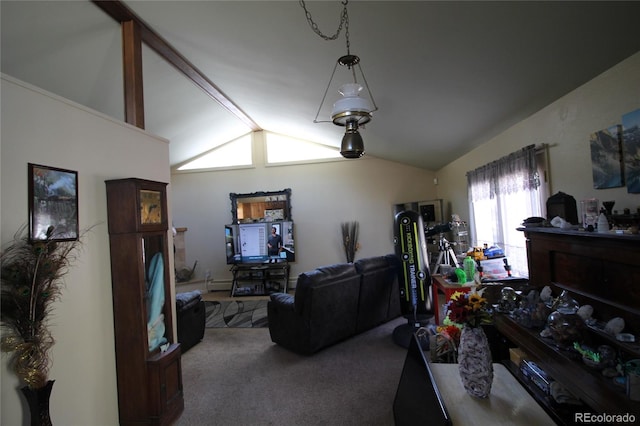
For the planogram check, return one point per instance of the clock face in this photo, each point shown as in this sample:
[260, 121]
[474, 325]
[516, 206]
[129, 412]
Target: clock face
[150, 207]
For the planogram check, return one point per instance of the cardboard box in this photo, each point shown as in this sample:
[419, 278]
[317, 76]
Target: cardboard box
[516, 355]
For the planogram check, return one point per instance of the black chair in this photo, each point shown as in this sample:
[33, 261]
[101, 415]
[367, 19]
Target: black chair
[191, 317]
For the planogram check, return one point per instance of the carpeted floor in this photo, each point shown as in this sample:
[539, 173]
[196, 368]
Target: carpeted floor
[237, 376]
[236, 313]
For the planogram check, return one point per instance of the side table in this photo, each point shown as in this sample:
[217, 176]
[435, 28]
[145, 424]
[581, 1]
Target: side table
[441, 284]
[432, 393]
[508, 403]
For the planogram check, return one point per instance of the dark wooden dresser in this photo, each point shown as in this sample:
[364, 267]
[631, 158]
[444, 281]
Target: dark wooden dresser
[601, 270]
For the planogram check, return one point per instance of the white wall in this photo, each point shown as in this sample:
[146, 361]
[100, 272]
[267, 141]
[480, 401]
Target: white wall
[41, 128]
[565, 125]
[323, 195]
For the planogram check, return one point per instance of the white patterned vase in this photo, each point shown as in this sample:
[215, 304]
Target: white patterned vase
[474, 362]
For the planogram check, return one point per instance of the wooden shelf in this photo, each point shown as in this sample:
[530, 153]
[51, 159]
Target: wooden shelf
[258, 279]
[603, 300]
[597, 269]
[598, 392]
[562, 414]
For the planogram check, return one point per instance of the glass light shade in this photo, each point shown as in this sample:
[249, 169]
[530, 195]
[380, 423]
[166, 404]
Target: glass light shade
[352, 143]
[350, 89]
[351, 107]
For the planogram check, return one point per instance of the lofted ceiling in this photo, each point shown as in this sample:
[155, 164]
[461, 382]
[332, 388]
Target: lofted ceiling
[446, 76]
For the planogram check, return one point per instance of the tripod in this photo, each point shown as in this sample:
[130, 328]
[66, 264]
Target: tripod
[446, 254]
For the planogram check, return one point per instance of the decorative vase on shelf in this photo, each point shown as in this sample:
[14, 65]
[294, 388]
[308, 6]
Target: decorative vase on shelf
[603, 223]
[38, 400]
[474, 362]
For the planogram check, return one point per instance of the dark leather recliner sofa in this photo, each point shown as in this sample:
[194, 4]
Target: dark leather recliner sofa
[334, 302]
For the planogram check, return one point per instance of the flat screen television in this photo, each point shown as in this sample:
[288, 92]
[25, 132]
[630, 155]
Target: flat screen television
[247, 242]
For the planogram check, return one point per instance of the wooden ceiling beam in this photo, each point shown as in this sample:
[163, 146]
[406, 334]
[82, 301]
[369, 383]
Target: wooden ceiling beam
[133, 84]
[121, 13]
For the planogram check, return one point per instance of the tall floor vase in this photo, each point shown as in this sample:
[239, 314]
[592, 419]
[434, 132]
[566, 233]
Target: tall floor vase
[474, 362]
[38, 400]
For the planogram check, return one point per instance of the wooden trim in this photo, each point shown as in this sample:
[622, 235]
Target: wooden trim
[121, 13]
[132, 69]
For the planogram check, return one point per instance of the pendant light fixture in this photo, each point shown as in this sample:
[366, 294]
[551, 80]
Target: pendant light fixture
[351, 110]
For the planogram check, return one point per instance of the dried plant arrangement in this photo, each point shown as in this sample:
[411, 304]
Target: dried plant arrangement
[32, 280]
[350, 239]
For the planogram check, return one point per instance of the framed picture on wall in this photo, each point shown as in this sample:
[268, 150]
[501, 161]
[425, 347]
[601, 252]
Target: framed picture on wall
[631, 150]
[606, 157]
[53, 202]
[431, 212]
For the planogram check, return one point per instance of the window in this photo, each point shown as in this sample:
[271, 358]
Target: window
[231, 154]
[284, 149]
[501, 195]
[279, 149]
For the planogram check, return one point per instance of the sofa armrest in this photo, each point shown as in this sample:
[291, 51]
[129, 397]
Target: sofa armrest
[282, 301]
[185, 301]
[286, 327]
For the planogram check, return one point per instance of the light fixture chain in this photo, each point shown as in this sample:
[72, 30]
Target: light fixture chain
[346, 29]
[344, 22]
[350, 111]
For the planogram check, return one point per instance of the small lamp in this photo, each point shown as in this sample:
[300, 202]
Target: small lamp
[352, 110]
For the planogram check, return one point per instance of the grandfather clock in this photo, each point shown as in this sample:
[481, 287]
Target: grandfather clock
[147, 360]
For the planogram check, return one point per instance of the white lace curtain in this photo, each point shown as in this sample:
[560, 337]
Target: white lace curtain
[501, 195]
[515, 172]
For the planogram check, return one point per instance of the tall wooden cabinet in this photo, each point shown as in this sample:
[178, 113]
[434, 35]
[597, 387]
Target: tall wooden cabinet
[601, 270]
[147, 359]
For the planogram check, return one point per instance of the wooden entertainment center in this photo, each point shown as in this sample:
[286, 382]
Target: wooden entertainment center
[597, 269]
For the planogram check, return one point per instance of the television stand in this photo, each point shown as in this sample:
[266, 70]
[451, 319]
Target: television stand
[259, 279]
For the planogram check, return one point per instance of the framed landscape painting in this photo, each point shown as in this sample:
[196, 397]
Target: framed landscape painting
[631, 150]
[606, 158]
[53, 202]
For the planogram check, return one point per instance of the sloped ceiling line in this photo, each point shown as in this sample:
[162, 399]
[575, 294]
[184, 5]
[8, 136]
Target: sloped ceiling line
[121, 13]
